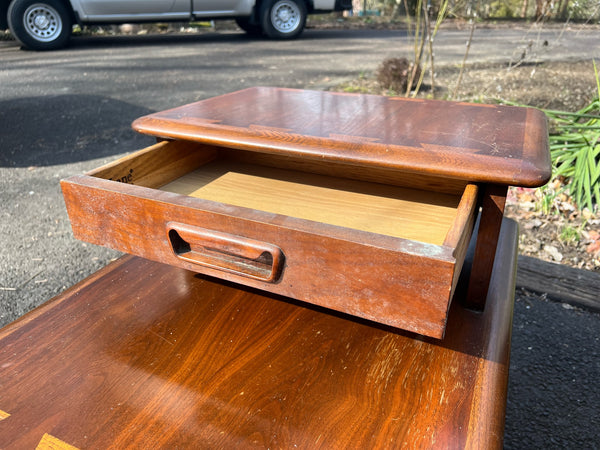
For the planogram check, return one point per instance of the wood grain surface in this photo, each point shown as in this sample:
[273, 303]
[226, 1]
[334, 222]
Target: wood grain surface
[478, 143]
[377, 208]
[156, 165]
[145, 355]
[347, 170]
[493, 199]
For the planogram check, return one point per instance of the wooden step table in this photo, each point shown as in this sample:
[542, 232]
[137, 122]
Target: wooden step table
[361, 204]
[146, 355]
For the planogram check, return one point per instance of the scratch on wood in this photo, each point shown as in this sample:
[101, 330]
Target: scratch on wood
[159, 336]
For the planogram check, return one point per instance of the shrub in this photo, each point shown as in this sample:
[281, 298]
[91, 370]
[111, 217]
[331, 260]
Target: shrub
[394, 73]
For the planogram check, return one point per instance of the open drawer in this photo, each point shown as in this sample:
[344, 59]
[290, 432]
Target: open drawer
[354, 241]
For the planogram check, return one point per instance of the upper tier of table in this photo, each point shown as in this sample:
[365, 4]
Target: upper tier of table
[479, 143]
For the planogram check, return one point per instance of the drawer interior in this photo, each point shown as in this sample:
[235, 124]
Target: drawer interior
[376, 208]
[219, 175]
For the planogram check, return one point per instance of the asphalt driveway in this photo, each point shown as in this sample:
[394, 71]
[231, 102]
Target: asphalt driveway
[62, 113]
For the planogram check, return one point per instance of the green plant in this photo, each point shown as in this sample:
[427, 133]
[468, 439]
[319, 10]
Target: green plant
[356, 90]
[570, 234]
[503, 9]
[547, 200]
[575, 150]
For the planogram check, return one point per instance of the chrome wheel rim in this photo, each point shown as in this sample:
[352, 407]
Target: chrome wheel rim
[42, 22]
[285, 16]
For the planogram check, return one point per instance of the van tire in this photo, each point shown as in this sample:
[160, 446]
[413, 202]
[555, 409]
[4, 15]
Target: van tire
[40, 24]
[283, 19]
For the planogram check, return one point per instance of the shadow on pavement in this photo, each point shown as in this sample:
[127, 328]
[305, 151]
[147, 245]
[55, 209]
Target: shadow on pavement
[50, 130]
[211, 37]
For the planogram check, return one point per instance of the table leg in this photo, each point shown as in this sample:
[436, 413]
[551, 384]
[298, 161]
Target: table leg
[492, 210]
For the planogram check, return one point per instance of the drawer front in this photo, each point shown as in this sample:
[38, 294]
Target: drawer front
[393, 281]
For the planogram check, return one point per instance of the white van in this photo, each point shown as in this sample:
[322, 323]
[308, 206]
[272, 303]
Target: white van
[47, 24]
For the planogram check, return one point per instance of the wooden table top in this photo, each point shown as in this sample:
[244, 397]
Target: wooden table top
[474, 142]
[145, 355]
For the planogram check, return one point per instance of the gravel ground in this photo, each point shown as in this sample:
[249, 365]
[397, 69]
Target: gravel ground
[553, 389]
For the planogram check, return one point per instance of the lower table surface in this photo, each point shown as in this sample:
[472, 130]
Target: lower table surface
[144, 355]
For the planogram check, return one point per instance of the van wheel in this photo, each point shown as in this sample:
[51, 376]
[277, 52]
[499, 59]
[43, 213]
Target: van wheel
[40, 24]
[283, 19]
